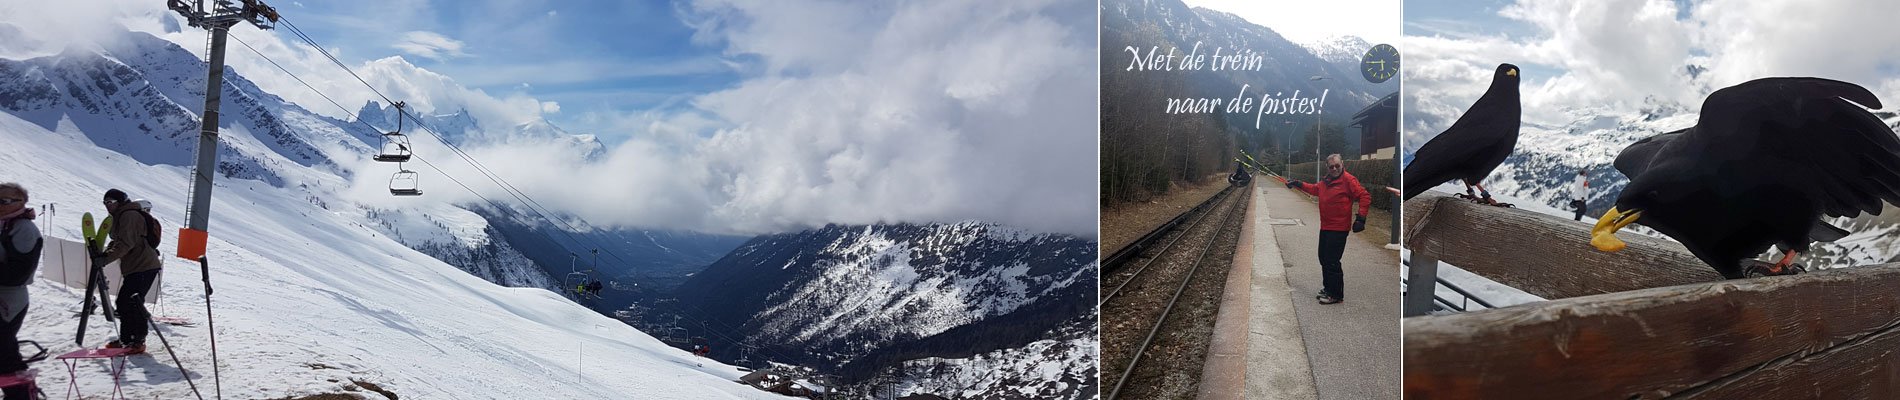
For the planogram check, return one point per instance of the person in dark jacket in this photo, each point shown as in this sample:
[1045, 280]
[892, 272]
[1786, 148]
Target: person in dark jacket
[21, 244]
[1337, 193]
[139, 263]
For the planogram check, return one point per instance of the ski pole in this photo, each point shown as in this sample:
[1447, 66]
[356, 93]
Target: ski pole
[168, 350]
[211, 325]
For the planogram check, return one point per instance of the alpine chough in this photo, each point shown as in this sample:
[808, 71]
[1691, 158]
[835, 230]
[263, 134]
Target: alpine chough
[1475, 144]
[1765, 161]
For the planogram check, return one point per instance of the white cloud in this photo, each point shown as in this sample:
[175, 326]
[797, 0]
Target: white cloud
[1620, 55]
[429, 45]
[1302, 21]
[549, 107]
[930, 111]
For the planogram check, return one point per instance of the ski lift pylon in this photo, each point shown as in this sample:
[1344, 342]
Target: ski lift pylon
[405, 183]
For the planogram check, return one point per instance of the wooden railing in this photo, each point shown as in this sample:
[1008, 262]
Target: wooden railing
[1647, 322]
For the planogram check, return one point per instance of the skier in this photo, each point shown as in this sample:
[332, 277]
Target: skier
[1337, 193]
[21, 241]
[593, 288]
[701, 346]
[134, 246]
[1579, 190]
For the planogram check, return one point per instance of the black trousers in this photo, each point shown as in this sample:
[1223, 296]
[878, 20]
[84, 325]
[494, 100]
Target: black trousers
[1332, 245]
[1579, 205]
[10, 361]
[133, 317]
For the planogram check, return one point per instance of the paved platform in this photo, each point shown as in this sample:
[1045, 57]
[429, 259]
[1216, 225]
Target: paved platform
[1296, 348]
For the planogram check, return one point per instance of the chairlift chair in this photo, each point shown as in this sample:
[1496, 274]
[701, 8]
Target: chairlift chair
[395, 148]
[575, 280]
[395, 144]
[405, 183]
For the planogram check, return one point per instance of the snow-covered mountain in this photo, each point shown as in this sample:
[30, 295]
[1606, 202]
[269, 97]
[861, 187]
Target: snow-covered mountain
[859, 300]
[316, 294]
[1548, 156]
[1344, 52]
[1062, 366]
[461, 128]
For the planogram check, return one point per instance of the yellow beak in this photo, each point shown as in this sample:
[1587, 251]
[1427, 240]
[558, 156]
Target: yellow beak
[1511, 72]
[1603, 236]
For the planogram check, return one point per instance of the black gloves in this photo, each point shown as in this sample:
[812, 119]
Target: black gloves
[1358, 223]
[1293, 184]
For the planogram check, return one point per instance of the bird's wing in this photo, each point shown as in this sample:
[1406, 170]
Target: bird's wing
[1633, 160]
[1437, 161]
[1847, 155]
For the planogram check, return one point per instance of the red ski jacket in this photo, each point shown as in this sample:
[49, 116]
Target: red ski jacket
[1336, 197]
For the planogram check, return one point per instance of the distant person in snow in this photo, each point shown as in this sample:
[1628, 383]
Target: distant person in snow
[594, 288]
[701, 346]
[1579, 191]
[1338, 191]
[21, 241]
[132, 244]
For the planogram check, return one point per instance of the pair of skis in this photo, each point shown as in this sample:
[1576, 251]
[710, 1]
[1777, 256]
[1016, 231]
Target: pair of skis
[95, 274]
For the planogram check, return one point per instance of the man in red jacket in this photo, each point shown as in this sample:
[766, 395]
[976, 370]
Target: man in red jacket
[1337, 193]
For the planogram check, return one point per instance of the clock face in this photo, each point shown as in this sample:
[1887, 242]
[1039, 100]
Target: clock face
[1380, 63]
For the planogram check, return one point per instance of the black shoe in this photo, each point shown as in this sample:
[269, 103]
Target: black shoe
[1324, 299]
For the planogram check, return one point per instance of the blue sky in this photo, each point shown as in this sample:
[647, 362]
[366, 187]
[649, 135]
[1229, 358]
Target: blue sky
[591, 58]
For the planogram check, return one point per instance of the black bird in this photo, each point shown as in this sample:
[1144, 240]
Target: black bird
[1475, 144]
[1766, 160]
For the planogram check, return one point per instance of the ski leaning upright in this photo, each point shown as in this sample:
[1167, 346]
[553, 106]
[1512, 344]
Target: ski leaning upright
[95, 274]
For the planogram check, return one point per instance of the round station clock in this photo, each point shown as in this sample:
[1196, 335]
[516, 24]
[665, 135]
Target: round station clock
[1380, 63]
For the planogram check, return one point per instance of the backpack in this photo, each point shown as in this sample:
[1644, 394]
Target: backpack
[20, 265]
[152, 233]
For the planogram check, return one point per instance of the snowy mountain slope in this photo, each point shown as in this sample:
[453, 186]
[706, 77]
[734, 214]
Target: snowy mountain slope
[461, 128]
[1061, 367]
[1344, 52]
[309, 299]
[840, 293]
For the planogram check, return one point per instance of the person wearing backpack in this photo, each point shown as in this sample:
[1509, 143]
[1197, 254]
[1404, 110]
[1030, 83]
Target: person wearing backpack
[134, 244]
[21, 242]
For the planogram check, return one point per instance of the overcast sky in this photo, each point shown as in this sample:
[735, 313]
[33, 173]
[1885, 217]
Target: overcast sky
[1616, 55]
[1305, 21]
[741, 116]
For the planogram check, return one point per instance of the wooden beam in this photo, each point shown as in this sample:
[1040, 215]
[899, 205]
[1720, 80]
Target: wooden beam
[1543, 255]
[1823, 334]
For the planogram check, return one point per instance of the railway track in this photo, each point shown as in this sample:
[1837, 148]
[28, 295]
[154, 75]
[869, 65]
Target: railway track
[1159, 298]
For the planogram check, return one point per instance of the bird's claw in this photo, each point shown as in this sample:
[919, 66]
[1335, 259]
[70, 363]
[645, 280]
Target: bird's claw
[1760, 268]
[1486, 200]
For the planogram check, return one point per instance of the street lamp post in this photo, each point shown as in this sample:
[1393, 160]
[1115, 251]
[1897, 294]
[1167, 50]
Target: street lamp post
[1319, 170]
